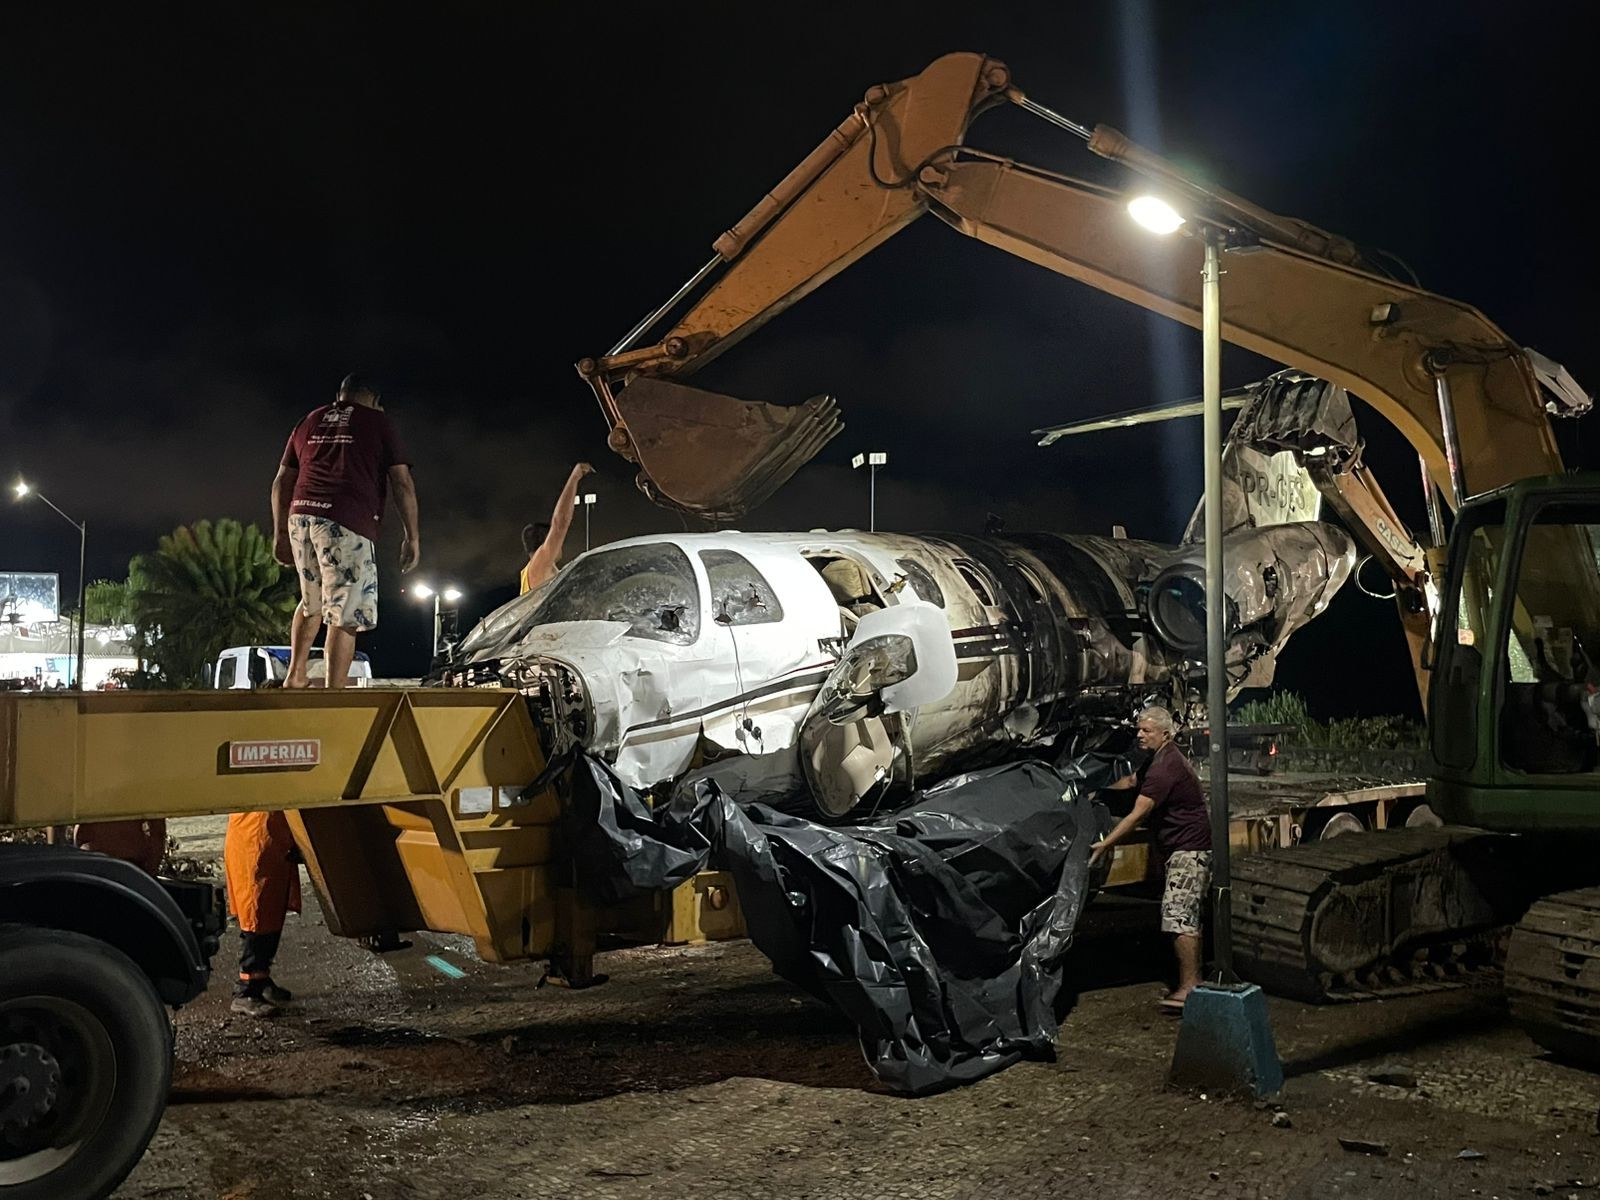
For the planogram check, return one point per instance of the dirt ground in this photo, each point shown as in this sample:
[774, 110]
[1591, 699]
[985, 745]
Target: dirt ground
[424, 1073]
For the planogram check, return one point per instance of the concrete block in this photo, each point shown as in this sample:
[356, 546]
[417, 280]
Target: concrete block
[1225, 1045]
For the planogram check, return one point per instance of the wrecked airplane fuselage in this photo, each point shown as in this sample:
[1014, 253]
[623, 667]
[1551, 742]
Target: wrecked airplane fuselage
[659, 653]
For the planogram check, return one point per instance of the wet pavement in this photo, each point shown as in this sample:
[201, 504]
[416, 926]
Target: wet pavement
[424, 1073]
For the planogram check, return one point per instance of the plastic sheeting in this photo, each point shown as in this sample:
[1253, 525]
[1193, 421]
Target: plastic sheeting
[941, 932]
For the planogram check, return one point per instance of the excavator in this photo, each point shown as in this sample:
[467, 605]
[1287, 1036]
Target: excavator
[1502, 618]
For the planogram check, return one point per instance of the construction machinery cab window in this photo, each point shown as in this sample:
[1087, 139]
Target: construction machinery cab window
[1462, 634]
[1550, 674]
[740, 594]
[651, 588]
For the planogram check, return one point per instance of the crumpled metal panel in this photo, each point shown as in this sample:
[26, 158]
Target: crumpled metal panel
[941, 932]
[1290, 420]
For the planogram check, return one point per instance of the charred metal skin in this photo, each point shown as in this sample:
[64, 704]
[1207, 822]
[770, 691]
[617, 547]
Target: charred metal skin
[659, 653]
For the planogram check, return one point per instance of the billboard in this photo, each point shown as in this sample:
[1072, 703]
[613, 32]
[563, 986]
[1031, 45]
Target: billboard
[29, 597]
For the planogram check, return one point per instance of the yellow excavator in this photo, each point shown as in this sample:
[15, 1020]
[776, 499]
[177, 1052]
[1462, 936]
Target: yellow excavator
[1503, 622]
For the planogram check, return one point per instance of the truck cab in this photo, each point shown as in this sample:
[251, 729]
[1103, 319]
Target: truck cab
[244, 667]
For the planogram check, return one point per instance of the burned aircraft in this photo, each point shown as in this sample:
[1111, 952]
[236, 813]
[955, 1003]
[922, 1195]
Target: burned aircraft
[872, 662]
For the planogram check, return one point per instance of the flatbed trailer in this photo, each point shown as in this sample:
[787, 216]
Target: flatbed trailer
[1267, 812]
[413, 809]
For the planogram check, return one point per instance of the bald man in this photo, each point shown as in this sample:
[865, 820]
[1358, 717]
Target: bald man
[1169, 790]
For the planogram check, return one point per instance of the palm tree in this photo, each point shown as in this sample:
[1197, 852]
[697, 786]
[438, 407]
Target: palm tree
[205, 587]
[106, 602]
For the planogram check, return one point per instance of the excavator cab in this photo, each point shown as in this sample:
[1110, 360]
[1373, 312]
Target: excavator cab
[1514, 708]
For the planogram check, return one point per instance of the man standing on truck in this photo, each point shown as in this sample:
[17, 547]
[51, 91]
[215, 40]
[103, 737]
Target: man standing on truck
[544, 542]
[1169, 788]
[328, 500]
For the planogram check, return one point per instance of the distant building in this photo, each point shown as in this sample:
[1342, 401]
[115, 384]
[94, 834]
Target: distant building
[45, 652]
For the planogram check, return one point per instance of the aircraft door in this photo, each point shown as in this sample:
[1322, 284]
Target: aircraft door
[758, 643]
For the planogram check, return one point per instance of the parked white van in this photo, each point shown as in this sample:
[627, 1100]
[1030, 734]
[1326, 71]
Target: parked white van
[260, 666]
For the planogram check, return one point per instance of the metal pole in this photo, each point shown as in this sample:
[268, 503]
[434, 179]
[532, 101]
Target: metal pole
[586, 509]
[651, 318]
[1216, 612]
[83, 616]
[436, 625]
[1052, 116]
[1452, 439]
[872, 499]
[1430, 498]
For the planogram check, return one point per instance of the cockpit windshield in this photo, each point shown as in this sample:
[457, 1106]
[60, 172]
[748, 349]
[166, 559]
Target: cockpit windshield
[651, 587]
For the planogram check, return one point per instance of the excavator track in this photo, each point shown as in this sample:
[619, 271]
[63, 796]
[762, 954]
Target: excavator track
[1552, 974]
[1377, 914]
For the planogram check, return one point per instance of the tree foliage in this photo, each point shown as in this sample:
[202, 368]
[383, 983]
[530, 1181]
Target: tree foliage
[206, 587]
[106, 601]
[1346, 733]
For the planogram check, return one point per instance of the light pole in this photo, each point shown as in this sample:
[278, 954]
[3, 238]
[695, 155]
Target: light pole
[873, 459]
[1160, 217]
[587, 502]
[449, 595]
[23, 490]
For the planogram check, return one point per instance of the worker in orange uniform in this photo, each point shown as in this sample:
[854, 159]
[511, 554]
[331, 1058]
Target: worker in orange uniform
[544, 542]
[263, 886]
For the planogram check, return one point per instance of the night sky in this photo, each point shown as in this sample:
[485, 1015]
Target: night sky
[207, 219]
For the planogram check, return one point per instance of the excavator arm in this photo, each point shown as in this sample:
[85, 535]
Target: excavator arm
[1465, 395]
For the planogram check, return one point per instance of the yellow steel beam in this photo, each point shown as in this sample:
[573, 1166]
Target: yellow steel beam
[407, 805]
[129, 755]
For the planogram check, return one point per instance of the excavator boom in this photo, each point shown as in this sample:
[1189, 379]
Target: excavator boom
[1465, 395]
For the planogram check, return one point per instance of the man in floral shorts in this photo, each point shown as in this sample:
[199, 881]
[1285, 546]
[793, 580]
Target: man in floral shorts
[327, 504]
[1169, 789]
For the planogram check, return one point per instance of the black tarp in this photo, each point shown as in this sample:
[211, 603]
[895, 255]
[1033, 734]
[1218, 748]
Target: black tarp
[941, 931]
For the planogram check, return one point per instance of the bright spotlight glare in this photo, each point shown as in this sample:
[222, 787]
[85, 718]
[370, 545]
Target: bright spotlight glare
[1154, 213]
[421, 591]
[452, 594]
[22, 489]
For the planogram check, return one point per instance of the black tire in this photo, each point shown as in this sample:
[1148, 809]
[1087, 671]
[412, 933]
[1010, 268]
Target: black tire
[82, 1025]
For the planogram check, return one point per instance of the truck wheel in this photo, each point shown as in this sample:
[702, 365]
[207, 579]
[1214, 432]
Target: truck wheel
[85, 1064]
[1422, 817]
[1340, 824]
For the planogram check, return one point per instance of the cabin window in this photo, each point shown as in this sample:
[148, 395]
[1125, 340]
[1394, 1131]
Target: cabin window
[969, 572]
[740, 594]
[921, 580]
[228, 672]
[1031, 582]
[651, 588]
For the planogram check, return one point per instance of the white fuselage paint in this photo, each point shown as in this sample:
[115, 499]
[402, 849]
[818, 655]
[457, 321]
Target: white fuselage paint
[1036, 620]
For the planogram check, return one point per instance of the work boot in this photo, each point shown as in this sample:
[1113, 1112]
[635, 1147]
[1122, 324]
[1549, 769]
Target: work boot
[273, 994]
[253, 1006]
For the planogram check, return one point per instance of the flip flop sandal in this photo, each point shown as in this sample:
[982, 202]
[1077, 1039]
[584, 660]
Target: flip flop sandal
[1171, 1007]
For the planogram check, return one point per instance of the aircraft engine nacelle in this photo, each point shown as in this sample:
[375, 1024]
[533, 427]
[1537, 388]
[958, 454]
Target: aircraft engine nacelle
[1275, 579]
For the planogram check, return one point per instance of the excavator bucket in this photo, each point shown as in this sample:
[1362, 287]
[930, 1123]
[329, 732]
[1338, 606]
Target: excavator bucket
[715, 456]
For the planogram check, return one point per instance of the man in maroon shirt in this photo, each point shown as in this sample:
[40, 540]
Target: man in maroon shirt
[1169, 789]
[327, 502]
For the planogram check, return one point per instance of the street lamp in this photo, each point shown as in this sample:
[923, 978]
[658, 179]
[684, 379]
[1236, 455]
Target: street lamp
[449, 595]
[873, 459]
[1160, 217]
[587, 501]
[23, 490]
